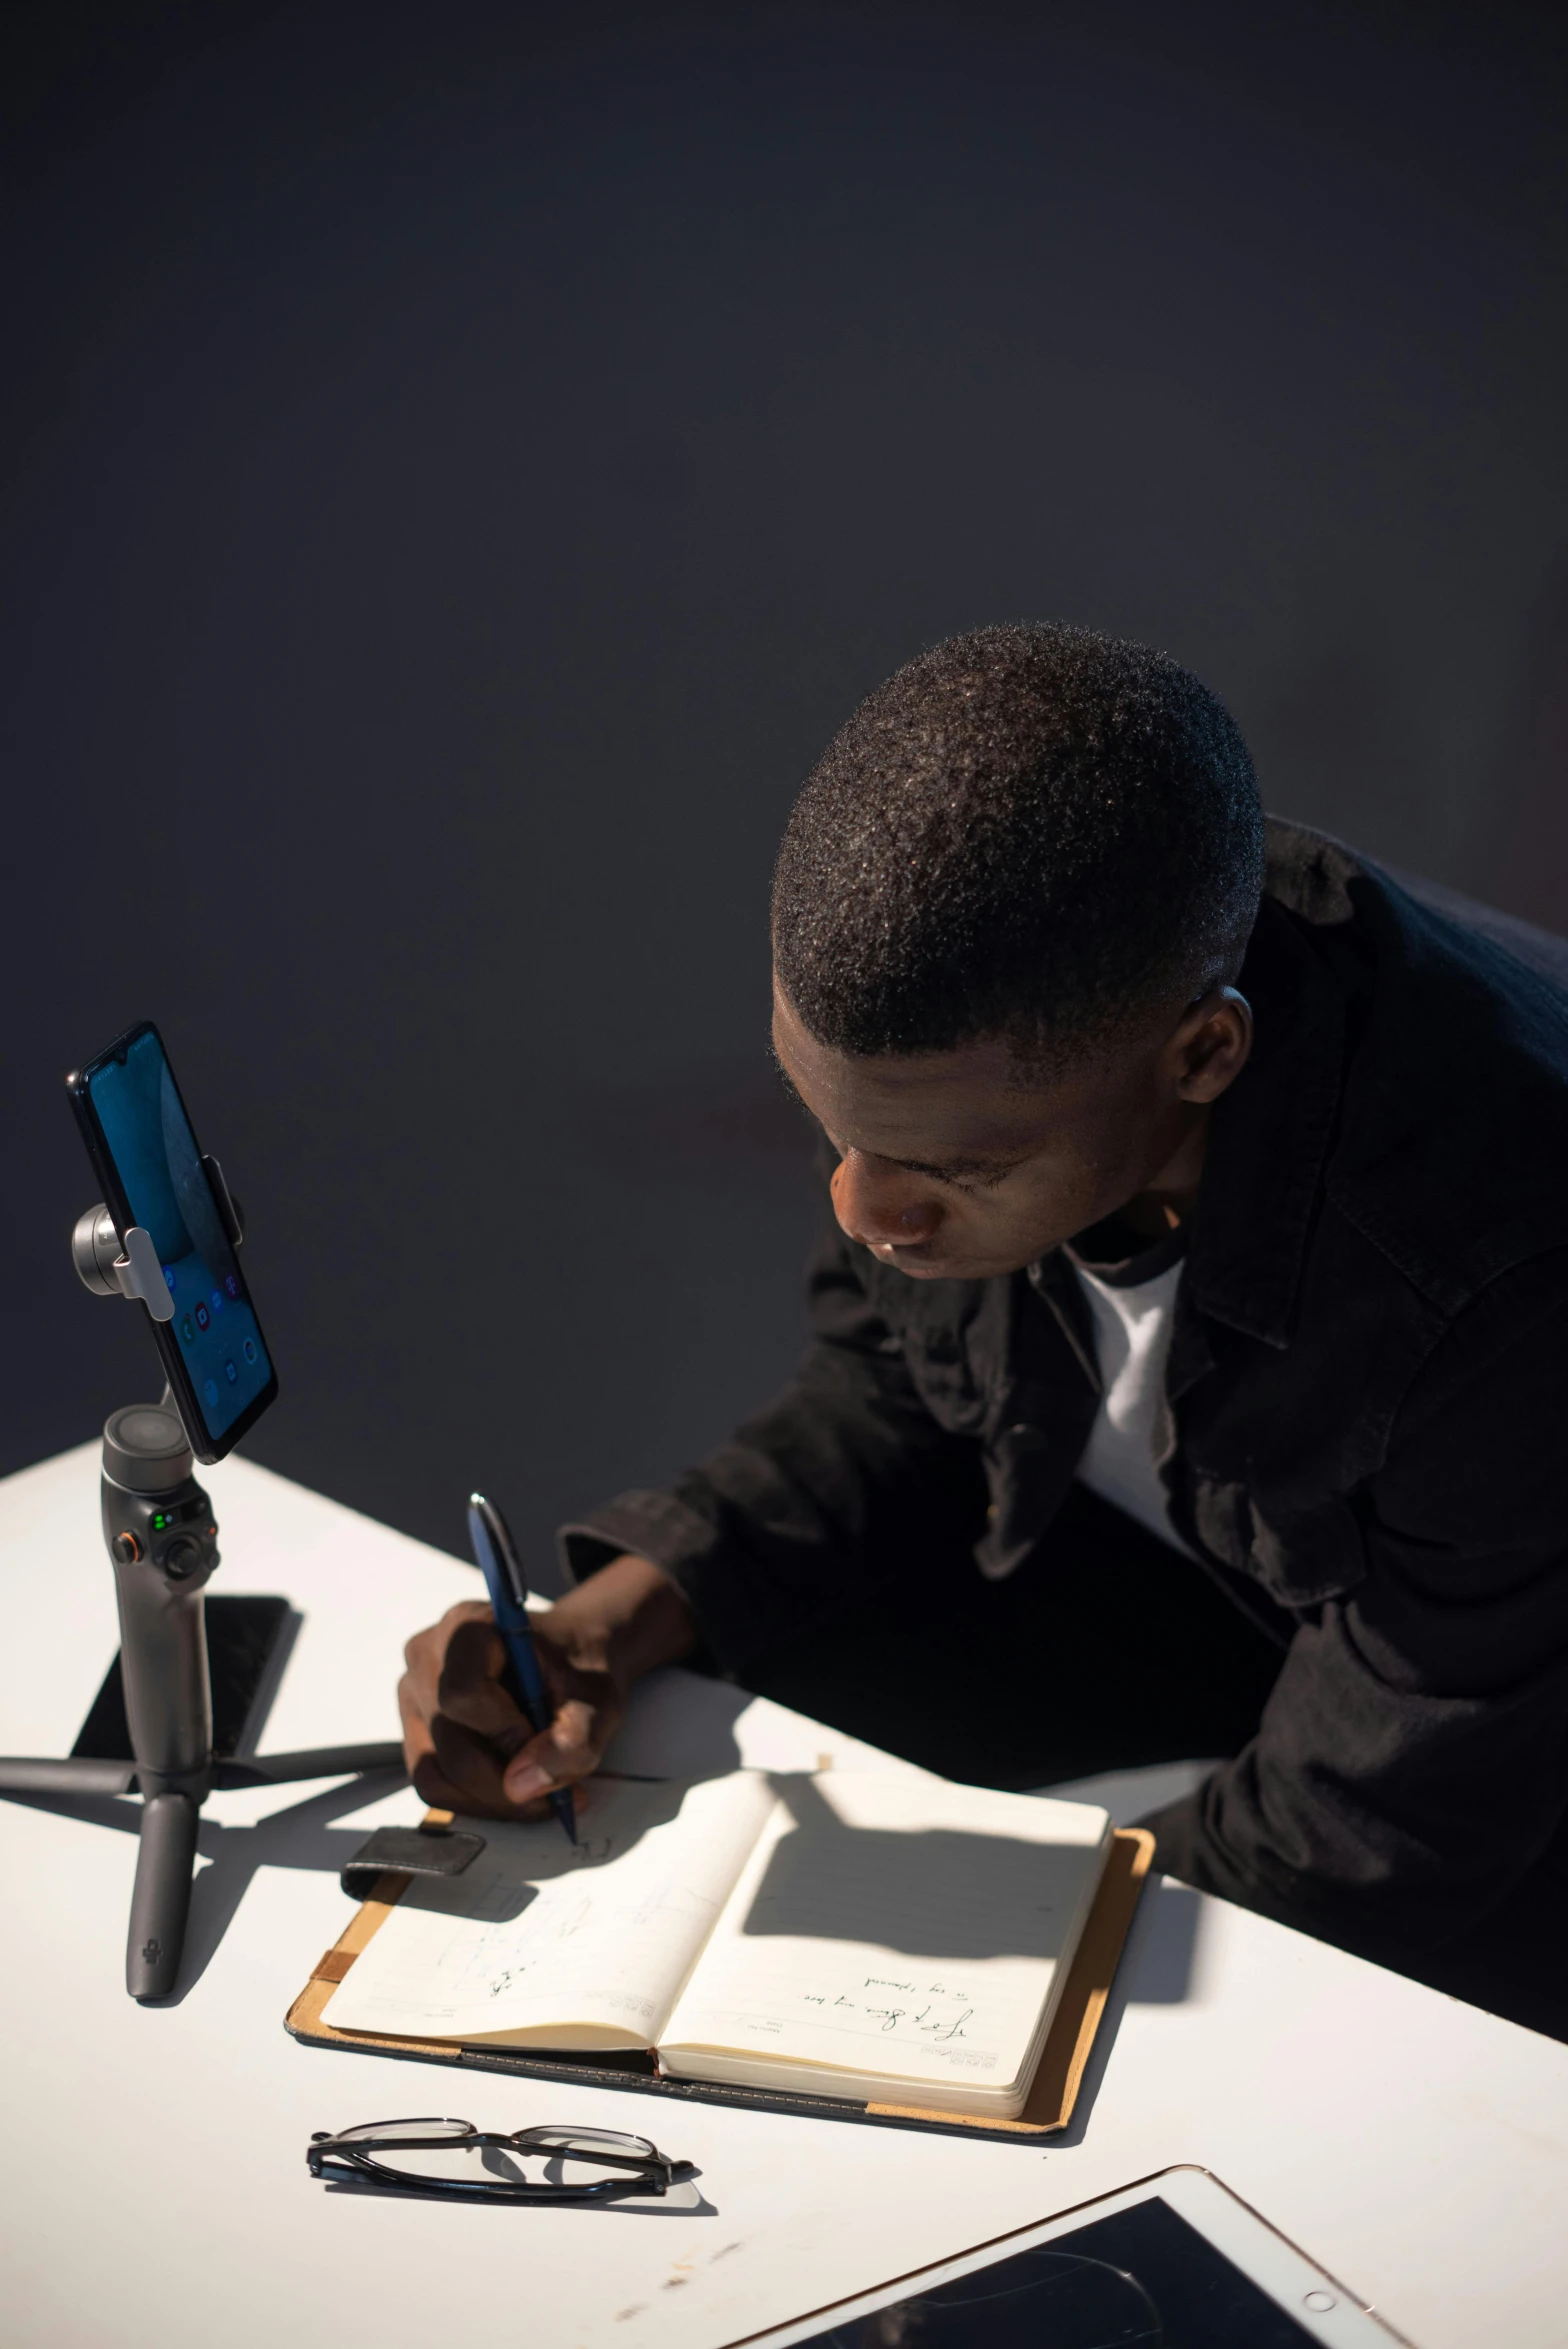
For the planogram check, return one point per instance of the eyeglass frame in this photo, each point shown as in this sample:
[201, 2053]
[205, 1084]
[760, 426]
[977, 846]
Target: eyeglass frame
[342, 2158]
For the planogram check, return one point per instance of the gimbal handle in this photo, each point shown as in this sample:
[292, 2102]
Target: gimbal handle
[162, 1537]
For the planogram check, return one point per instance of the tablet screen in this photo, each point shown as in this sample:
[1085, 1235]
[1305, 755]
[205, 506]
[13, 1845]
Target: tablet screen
[1141, 2278]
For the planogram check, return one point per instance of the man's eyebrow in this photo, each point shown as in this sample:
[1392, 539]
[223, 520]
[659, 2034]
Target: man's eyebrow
[954, 1169]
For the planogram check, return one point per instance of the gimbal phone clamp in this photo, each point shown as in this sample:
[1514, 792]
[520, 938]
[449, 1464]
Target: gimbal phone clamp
[162, 1537]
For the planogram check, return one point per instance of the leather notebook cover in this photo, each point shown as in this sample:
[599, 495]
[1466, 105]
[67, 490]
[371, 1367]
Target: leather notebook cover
[1052, 2094]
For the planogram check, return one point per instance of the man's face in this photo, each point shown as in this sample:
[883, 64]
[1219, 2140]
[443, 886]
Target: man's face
[949, 1169]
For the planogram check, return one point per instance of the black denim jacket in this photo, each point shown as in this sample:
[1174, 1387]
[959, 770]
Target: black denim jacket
[1370, 1389]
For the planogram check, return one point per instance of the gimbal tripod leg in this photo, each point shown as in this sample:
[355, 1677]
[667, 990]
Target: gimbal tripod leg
[161, 1898]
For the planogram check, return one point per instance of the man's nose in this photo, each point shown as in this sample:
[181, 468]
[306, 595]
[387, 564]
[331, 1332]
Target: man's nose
[880, 1205]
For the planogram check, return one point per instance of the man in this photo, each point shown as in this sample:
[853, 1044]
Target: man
[1187, 1372]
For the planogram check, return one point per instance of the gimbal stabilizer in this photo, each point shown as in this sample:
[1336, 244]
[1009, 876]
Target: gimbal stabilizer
[162, 1538]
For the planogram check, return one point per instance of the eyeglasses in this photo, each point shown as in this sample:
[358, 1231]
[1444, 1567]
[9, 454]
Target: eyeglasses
[530, 2165]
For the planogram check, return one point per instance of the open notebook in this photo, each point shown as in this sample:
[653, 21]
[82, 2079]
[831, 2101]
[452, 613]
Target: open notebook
[857, 1935]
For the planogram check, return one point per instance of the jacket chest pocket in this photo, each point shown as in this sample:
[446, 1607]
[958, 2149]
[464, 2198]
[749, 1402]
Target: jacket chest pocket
[944, 1381]
[1027, 1473]
[1299, 1556]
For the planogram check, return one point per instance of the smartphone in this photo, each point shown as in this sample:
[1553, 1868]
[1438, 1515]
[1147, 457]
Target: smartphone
[149, 1163]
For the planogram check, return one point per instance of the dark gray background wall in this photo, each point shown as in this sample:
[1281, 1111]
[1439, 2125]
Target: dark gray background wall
[460, 464]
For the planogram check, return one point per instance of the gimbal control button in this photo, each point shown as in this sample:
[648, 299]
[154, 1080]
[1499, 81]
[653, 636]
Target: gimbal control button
[127, 1549]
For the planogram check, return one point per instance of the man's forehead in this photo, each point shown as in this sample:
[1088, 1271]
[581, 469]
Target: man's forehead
[967, 1103]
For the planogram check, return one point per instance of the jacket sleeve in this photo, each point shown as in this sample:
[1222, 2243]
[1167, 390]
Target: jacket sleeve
[1411, 1766]
[818, 1500]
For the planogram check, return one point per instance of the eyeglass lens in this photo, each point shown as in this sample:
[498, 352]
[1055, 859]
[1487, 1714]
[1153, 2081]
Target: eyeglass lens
[559, 2158]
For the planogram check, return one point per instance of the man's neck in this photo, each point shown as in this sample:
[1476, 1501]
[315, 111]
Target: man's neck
[1166, 1203]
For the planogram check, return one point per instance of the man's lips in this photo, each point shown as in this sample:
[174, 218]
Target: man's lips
[921, 1262]
[917, 1258]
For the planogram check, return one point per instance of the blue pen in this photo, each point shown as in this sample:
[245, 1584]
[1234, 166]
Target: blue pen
[497, 1559]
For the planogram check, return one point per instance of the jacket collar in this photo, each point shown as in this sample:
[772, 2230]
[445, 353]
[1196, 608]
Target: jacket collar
[1269, 1137]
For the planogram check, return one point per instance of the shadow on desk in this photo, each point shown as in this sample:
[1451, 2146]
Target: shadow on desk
[1156, 1970]
[686, 2201]
[680, 1725]
[301, 1836]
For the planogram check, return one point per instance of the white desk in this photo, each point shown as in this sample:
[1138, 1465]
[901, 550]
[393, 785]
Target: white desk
[154, 2184]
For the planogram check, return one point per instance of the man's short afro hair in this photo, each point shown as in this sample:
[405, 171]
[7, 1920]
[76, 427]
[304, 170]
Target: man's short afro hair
[1034, 832]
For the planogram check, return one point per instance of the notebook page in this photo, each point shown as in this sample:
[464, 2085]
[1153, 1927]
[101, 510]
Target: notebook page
[902, 1928]
[585, 1948]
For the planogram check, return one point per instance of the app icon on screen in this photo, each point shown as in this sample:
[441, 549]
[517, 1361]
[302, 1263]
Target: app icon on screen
[168, 1274]
[203, 1317]
[187, 1330]
[231, 1281]
[230, 1372]
[216, 1301]
[250, 1349]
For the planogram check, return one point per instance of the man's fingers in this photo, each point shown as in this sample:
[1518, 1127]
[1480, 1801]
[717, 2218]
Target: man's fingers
[452, 1771]
[472, 1763]
[425, 1653]
[416, 1735]
[432, 1788]
[452, 1767]
[468, 1744]
[470, 1690]
[419, 1752]
[569, 1749]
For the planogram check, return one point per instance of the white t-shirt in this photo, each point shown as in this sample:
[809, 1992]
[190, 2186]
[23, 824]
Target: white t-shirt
[1134, 1433]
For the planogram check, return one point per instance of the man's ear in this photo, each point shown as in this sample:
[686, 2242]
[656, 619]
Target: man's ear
[1211, 1043]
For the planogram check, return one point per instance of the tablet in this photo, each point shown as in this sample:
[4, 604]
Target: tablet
[1175, 2262]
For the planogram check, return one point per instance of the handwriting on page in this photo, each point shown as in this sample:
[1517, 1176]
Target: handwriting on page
[948, 2029]
[534, 1932]
[893, 1927]
[494, 1944]
[938, 2013]
[527, 1949]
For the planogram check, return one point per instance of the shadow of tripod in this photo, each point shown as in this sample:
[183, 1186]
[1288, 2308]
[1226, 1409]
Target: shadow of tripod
[302, 1836]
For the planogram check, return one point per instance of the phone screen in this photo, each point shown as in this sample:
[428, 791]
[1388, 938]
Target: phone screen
[150, 1162]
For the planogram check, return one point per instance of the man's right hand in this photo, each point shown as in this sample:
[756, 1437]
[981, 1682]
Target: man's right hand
[468, 1746]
